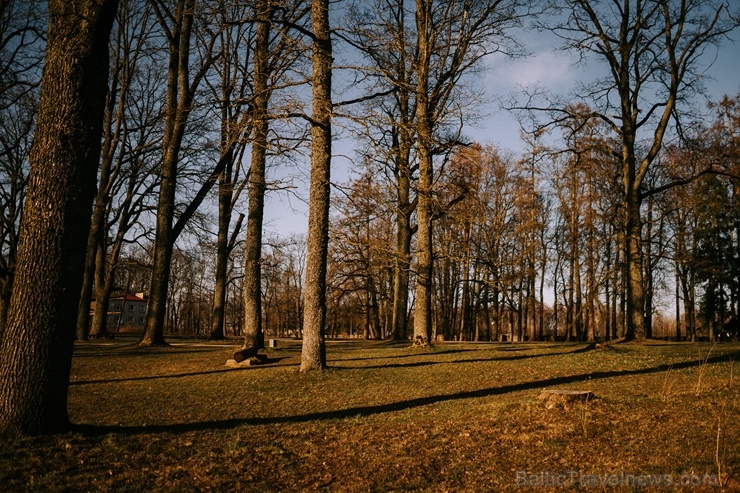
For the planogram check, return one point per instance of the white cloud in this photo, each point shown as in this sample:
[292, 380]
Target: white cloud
[550, 69]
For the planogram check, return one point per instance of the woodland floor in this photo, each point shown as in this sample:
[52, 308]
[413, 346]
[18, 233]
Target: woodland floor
[458, 417]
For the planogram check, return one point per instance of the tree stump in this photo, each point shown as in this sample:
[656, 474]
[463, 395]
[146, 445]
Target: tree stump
[564, 398]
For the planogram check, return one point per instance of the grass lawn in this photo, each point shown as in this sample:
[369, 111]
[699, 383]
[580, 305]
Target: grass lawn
[385, 417]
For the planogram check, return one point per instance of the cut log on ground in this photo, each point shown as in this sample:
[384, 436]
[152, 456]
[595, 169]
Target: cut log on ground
[259, 359]
[245, 353]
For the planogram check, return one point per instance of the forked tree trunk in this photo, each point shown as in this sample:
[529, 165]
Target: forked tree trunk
[313, 355]
[36, 352]
[177, 109]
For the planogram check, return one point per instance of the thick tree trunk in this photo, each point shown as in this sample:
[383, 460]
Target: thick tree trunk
[36, 351]
[403, 142]
[635, 299]
[313, 356]
[156, 308]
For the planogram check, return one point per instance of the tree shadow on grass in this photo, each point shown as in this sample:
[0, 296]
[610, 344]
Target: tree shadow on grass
[267, 364]
[364, 411]
[418, 354]
[138, 351]
[482, 358]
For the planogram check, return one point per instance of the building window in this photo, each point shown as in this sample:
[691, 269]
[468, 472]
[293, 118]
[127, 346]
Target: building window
[141, 320]
[131, 320]
[131, 308]
[142, 308]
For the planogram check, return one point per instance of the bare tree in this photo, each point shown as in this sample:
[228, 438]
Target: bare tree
[452, 37]
[179, 27]
[653, 52]
[380, 30]
[231, 90]
[129, 137]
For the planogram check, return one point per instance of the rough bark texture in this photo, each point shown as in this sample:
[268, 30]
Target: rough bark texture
[253, 334]
[36, 351]
[313, 356]
[98, 325]
[635, 316]
[424, 254]
[403, 230]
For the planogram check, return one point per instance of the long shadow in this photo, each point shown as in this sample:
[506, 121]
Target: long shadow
[417, 364]
[267, 364]
[134, 350]
[485, 346]
[390, 407]
[405, 356]
[335, 365]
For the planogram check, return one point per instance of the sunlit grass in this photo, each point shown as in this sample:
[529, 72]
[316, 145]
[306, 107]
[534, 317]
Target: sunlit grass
[386, 417]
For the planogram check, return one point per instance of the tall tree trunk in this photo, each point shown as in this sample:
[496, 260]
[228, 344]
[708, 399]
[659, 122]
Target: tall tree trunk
[403, 143]
[403, 244]
[36, 350]
[99, 328]
[225, 194]
[313, 355]
[100, 208]
[677, 301]
[177, 108]
[635, 295]
[253, 333]
[424, 252]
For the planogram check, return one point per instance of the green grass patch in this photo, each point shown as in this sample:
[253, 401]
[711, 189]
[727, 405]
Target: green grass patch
[387, 417]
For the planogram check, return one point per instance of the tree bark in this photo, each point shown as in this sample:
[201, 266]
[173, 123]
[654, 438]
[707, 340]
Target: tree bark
[225, 194]
[313, 355]
[99, 326]
[253, 332]
[424, 252]
[36, 351]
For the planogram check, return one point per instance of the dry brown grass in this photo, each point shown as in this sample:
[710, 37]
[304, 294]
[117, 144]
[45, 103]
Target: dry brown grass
[386, 417]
